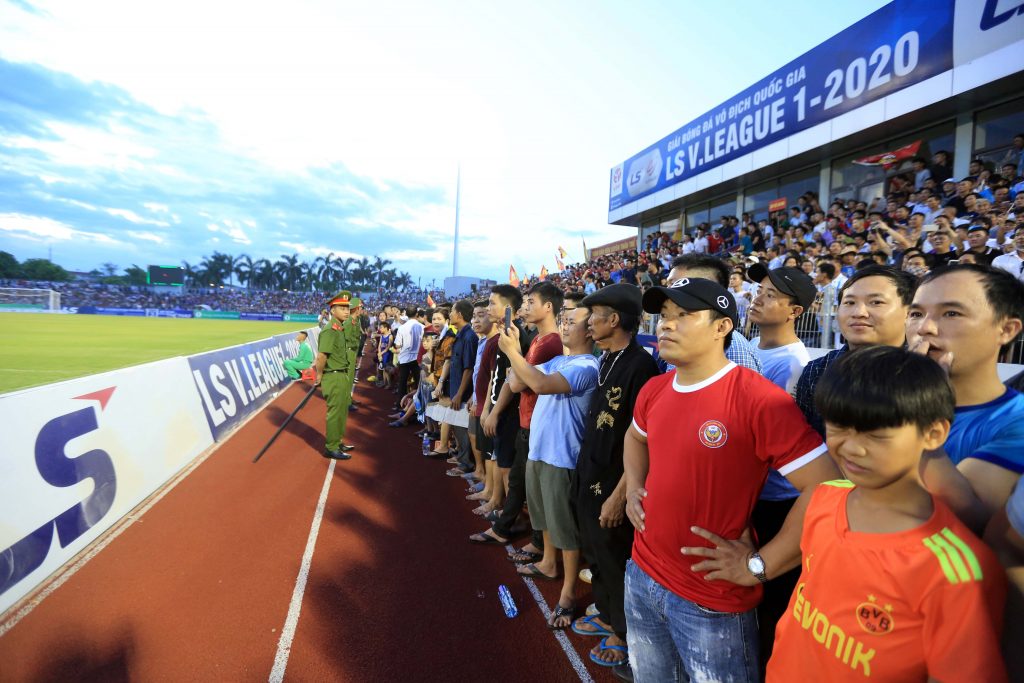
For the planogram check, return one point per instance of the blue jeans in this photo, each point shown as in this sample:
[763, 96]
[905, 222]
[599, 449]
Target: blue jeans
[673, 639]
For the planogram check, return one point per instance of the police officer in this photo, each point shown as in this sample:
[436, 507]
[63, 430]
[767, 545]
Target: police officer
[333, 372]
[353, 331]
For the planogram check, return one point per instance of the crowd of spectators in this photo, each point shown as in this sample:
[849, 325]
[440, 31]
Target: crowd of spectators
[788, 510]
[78, 293]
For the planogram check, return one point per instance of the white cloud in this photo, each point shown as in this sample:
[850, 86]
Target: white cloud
[38, 228]
[133, 217]
[148, 236]
[157, 208]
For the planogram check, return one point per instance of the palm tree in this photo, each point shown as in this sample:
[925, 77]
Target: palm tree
[263, 274]
[344, 268]
[325, 269]
[288, 269]
[388, 278]
[404, 281]
[377, 269]
[243, 268]
[190, 272]
[361, 273]
[218, 267]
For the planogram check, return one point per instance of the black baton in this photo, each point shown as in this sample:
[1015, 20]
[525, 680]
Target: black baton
[285, 424]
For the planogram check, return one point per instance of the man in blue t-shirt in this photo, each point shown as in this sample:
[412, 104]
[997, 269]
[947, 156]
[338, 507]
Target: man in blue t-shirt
[962, 316]
[564, 386]
[460, 377]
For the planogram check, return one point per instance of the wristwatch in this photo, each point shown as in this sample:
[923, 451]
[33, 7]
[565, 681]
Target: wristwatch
[755, 565]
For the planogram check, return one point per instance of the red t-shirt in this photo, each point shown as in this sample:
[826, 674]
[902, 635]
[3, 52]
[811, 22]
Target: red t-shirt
[483, 373]
[542, 349]
[711, 445]
[906, 606]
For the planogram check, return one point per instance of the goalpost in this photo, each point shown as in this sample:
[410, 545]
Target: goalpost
[19, 299]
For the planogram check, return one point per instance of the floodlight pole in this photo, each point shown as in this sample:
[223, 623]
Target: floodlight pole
[458, 192]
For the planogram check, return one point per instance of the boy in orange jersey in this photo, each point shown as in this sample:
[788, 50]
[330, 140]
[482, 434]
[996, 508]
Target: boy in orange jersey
[893, 587]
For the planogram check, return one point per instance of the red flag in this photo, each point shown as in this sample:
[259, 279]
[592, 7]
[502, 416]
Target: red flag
[430, 302]
[543, 273]
[890, 159]
[513, 277]
[561, 266]
[561, 252]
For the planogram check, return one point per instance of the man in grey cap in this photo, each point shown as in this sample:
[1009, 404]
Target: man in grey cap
[607, 535]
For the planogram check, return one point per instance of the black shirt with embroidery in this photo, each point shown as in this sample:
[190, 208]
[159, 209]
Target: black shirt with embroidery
[599, 466]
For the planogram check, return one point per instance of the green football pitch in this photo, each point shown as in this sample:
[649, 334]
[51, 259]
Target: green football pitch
[39, 348]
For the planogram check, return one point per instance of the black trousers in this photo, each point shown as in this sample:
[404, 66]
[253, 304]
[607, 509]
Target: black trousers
[517, 492]
[607, 550]
[405, 372]
[767, 518]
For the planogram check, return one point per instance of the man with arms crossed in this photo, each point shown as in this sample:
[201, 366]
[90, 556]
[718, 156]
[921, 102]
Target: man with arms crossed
[696, 456]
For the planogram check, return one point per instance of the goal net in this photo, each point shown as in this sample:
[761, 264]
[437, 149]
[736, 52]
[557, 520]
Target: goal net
[18, 299]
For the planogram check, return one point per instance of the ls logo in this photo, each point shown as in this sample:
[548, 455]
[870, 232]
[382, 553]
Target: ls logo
[57, 469]
[991, 17]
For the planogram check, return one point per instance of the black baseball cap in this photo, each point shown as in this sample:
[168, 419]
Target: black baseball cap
[622, 297]
[693, 294]
[795, 283]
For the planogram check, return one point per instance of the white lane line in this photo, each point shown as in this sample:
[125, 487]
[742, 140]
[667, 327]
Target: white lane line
[284, 645]
[563, 640]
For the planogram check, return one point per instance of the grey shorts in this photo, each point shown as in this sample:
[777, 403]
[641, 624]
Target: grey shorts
[547, 495]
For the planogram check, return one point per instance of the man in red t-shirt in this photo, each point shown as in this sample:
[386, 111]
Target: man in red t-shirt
[696, 457]
[542, 306]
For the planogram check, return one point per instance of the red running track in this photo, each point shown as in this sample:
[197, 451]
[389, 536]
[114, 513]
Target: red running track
[198, 587]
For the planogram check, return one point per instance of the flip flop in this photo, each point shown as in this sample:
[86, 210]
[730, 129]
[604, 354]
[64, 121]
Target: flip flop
[532, 571]
[601, 630]
[485, 539]
[561, 612]
[603, 646]
[524, 557]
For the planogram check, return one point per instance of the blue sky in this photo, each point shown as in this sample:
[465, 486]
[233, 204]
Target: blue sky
[138, 132]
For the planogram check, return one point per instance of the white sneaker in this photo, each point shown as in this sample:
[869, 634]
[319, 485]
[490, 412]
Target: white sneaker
[585, 575]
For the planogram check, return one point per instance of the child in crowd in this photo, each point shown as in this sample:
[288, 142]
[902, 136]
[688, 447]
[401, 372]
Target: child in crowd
[385, 366]
[892, 586]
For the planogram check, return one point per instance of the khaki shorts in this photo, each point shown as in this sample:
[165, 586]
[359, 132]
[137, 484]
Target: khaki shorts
[547, 495]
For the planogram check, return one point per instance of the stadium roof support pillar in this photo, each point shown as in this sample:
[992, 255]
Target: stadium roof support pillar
[962, 145]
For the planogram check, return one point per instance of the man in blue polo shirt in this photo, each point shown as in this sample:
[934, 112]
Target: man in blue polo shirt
[962, 316]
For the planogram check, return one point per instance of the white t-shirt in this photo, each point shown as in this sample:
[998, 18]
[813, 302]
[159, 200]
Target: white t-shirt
[1011, 263]
[408, 340]
[700, 245]
[783, 364]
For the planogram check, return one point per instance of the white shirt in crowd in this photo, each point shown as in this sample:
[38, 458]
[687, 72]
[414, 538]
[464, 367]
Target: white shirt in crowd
[783, 364]
[700, 245]
[1012, 263]
[408, 340]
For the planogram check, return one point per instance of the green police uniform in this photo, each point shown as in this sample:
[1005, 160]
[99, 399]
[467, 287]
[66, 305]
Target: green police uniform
[352, 332]
[336, 380]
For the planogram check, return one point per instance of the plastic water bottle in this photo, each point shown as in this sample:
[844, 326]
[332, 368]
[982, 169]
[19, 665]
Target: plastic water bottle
[426, 444]
[507, 602]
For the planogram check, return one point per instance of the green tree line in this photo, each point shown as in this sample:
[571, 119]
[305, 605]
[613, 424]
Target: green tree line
[324, 273]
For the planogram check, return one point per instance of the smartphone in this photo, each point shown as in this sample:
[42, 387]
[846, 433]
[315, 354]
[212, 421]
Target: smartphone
[508, 317]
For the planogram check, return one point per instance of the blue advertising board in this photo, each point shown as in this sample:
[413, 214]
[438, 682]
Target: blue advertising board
[901, 44]
[235, 382]
[132, 312]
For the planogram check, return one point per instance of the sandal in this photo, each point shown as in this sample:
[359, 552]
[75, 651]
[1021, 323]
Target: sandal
[559, 613]
[603, 646]
[485, 539]
[532, 571]
[592, 622]
[524, 557]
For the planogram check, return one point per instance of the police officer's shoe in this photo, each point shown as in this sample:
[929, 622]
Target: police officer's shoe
[353, 408]
[337, 455]
[345, 448]
[623, 672]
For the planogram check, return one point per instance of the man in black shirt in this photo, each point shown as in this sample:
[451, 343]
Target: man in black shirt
[600, 485]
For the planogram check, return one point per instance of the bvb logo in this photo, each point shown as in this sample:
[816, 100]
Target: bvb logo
[712, 434]
[874, 618]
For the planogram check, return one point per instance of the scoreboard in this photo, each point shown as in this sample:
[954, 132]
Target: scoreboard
[166, 275]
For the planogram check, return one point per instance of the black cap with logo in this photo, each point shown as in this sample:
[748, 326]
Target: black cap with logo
[693, 294]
